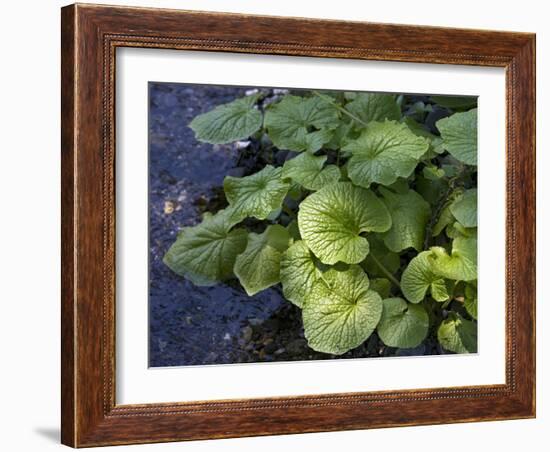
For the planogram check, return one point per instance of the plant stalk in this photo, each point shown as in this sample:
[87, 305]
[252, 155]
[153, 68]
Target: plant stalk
[340, 108]
[386, 272]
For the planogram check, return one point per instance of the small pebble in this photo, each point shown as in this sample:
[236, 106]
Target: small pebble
[168, 207]
[241, 145]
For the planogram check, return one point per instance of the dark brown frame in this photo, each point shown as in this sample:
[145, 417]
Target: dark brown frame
[90, 36]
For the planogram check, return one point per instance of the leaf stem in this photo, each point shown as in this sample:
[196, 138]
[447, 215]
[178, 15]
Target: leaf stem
[339, 107]
[442, 202]
[386, 272]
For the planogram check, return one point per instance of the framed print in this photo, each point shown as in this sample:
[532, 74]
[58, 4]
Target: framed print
[280, 225]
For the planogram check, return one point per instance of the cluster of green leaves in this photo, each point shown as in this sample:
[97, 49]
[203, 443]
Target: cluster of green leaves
[370, 225]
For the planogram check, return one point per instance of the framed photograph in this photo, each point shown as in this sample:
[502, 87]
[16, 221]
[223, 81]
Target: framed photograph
[280, 225]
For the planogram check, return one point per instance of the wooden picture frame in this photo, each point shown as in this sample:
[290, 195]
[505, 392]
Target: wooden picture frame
[90, 36]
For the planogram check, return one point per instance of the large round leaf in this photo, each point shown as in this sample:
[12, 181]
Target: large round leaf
[459, 133]
[258, 267]
[419, 276]
[256, 195]
[383, 152]
[289, 123]
[374, 107]
[341, 313]
[228, 122]
[410, 214]
[206, 253]
[332, 219]
[457, 334]
[402, 324]
[299, 273]
[464, 208]
[307, 170]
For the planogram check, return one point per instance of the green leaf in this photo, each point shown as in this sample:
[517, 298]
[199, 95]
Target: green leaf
[332, 219]
[377, 249]
[402, 325]
[228, 122]
[419, 276]
[384, 152]
[300, 273]
[456, 102]
[431, 190]
[293, 230]
[445, 218]
[464, 208]
[341, 313]
[307, 170]
[459, 133]
[256, 195]
[461, 265]
[382, 286]
[258, 266]
[433, 172]
[457, 334]
[289, 123]
[455, 230]
[374, 107]
[401, 186]
[470, 301]
[417, 128]
[410, 215]
[341, 135]
[440, 290]
[205, 254]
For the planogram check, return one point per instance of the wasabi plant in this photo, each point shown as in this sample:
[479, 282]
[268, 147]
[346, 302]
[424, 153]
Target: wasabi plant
[369, 222]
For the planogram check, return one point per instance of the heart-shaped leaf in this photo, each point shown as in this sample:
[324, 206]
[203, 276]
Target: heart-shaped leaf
[257, 195]
[228, 122]
[402, 324]
[289, 123]
[205, 254]
[457, 334]
[299, 273]
[410, 214]
[459, 133]
[464, 208]
[341, 313]
[374, 107]
[307, 170]
[258, 266]
[461, 265]
[419, 276]
[384, 152]
[332, 219]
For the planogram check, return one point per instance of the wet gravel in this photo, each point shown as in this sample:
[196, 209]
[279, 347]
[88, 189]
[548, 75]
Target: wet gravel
[190, 325]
